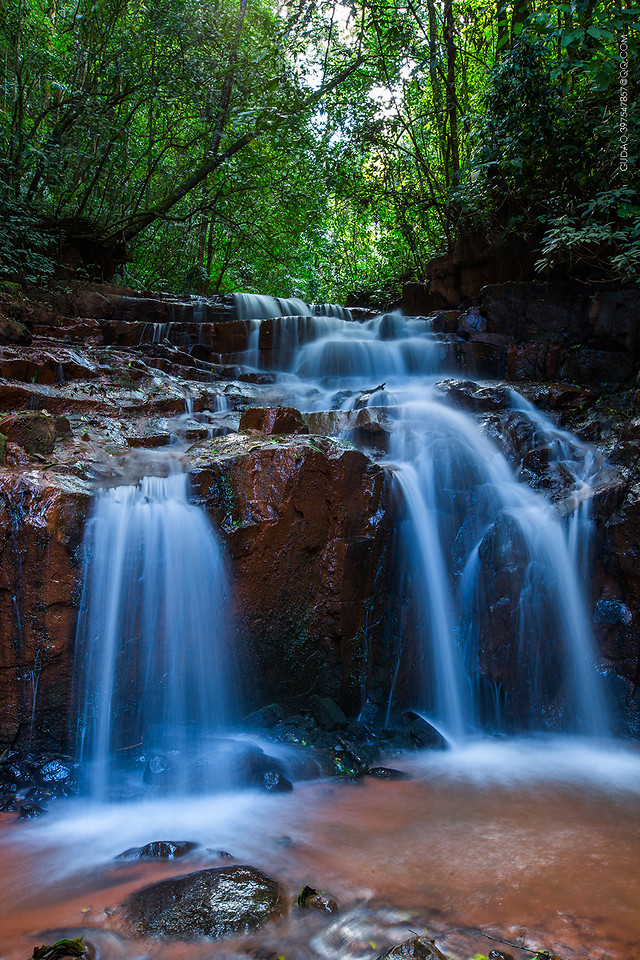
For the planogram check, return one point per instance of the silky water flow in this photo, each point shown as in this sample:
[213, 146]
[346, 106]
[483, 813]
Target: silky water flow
[488, 568]
[154, 668]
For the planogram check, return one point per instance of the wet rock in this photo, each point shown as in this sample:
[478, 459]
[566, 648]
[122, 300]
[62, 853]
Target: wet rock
[261, 377]
[8, 802]
[60, 950]
[259, 770]
[418, 948]
[37, 795]
[372, 424]
[310, 899]
[348, 763]
[63, 428]
[273, 781]
[357, 730]
[159, 850]
[16, 772]
[214, 903]
[386, 773]
[265, 717]
[55, 772]
[273, 421]
[34, 432]
[327, 713]
[562, 396]
[613, 611]
[306, 522]
[474, 396]
[329, 423]
[13, 332]
[424, 734]
[32, 809]
[366, 396]
[41, 524]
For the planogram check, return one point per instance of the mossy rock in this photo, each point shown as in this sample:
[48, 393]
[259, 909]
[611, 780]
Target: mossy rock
[34, 432]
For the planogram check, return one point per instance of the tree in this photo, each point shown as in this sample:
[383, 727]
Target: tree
[116, 121]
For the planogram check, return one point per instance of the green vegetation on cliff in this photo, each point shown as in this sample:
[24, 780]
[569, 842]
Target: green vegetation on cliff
[314, 148]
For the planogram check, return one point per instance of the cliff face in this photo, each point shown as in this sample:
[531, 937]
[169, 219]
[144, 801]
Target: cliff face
[42, 524]
[307, 519]
[575, 353]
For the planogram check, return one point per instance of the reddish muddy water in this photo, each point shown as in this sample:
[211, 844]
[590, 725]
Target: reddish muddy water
[510, 839]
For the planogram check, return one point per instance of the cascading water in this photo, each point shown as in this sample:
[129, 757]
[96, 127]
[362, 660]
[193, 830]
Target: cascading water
[154, 669]
[490, 584]
[493, 584]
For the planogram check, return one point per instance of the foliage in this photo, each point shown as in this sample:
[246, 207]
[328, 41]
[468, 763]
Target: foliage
[545, 163]
[60, 950]
[312, 149]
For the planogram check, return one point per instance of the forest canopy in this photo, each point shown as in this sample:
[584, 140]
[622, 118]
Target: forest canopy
[310, 148]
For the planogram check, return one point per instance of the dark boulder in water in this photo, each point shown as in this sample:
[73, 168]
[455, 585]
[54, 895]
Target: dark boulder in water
[310, 899]
[265, 717]
[415, 949]
[386, 773]
[158, 850]
[327, 713]
[423, 732]
[210, 903]
[32, 809]
[275, 782]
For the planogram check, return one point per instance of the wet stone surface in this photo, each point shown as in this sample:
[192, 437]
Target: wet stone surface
[211, 903]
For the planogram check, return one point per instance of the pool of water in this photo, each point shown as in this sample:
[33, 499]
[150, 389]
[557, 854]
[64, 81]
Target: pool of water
[508, 839]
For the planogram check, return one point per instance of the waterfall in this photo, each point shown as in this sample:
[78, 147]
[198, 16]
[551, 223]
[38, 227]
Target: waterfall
[258, 306]
[153, 672]
[495, 584]
[491, 605]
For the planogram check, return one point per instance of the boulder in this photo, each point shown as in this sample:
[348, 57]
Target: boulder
[158, 850]
[273, 421]
[417, 948]
[216, 903]
[310, 899]
[327, 713]
[34, 432]
[423, 732]
[11, 331]
[265, 717]
[386, 773]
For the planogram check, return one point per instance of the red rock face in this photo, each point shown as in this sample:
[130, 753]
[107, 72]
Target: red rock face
[306, 530]
[308, 533]
[270, 421]
[41, 529]
[531, 331]
[307, 521]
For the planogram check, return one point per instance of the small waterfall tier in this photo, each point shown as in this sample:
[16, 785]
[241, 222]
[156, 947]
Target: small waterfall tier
[154, 672]
[490, 615]
[496, 606]
[258, 306]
